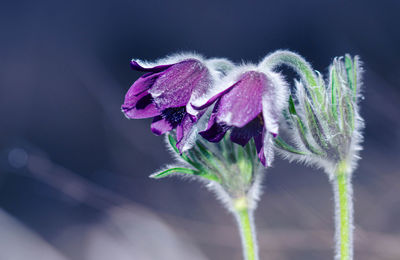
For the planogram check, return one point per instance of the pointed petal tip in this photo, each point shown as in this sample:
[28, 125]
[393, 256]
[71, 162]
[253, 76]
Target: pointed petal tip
[262, 158]
[136, 66]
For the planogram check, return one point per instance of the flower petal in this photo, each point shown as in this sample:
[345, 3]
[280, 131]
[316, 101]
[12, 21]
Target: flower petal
[214, 131]
[212, 99]
[188, 130]
[160, 126]
[244, 101]
[140, 106]
[183, 130]
[175, 86]
[144, 83]
[136, 66]
[243, 135]
[259, 142]
[240, 137]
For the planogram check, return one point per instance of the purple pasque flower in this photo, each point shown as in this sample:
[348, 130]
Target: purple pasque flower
[165, 93]
[249, 106]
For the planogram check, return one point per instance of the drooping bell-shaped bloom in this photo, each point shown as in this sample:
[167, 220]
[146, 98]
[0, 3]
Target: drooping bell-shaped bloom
[250, 108]
[165, 92]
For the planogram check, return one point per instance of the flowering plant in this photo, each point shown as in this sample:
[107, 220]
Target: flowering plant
[323, 127]
[223, 123]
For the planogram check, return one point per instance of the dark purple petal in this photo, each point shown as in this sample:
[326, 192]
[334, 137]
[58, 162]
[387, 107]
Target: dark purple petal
[140, 106]
[163, 93]
[259, 142]
[144, 102]
[214, 131]
[244, 102]
[243, 135]
[136, 66]
[160, 126]
[175, 86]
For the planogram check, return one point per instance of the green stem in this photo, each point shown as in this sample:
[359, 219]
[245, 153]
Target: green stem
[344, 212]
[244, 216]
[301, 66]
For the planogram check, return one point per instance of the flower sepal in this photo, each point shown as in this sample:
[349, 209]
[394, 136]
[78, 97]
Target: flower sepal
[191, 161]
[227, 165]
[182, 170]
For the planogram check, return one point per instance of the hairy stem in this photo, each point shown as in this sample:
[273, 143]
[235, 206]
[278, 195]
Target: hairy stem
[244, 216]
[301, 66]
[344, 212]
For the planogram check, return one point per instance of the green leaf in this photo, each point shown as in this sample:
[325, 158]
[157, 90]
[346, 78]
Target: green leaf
[280, 143]
[314, 124]
[182, 170]
[244, 164]
[228, 151]
[172, 142]
[303, 135]
[196, 161]
[292, 109]
[301, 127]
[334, 91]
[351, 70]
[355, 68]
[306, 72]
[251, 150]
[204, 151]
[167, 172]
[210, 159]
[349, 115]
[348, 63]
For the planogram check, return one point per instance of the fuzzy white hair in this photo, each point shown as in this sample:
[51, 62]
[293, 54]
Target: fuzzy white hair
[352, 155]
[171, 59]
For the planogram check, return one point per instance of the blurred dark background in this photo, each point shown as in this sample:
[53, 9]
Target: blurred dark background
[73, 169]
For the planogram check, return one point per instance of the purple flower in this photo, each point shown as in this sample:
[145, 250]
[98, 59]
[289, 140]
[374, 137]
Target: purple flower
[165, 93]
[250, 108]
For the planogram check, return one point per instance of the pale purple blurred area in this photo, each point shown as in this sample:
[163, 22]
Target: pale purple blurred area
[73, 169]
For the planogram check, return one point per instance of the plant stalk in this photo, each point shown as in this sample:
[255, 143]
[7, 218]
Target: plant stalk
[343, 212]
[244, 216]
[301, 66]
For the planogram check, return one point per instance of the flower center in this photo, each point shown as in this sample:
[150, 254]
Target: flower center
[174, 115]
